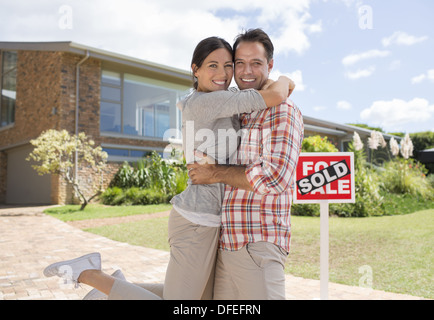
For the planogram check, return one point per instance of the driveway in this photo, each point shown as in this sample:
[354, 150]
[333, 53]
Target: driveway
[31, 240]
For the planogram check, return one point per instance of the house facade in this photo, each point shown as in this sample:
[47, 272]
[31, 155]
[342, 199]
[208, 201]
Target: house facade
[124, 104]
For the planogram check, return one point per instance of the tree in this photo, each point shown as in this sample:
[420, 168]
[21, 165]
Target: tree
[55, 152]
[423, 140]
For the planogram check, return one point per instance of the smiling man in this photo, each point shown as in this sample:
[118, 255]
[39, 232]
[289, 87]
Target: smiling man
[256, 228]
[252, 65]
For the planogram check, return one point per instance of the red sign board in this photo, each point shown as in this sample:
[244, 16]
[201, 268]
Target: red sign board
[323, 176]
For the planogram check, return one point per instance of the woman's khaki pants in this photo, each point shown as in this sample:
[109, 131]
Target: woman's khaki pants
[191, 268]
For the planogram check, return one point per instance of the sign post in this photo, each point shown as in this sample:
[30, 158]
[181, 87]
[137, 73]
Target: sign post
[324, 250]
[323, 177]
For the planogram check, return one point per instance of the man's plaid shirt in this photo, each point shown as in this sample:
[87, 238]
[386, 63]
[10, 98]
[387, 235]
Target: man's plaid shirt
[270, 145]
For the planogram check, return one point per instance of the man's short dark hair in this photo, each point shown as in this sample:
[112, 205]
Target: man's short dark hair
[256, 35]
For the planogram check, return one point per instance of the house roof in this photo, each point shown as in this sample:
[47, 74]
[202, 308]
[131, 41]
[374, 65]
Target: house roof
[338, 129]
[310, 123]
[73, 47]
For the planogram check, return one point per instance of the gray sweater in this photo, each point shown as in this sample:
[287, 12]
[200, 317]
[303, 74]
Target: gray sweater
[210, 124]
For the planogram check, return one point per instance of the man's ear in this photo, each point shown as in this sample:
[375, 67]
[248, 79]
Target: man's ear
[270, 66]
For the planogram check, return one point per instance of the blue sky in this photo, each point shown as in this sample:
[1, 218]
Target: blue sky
[353, 61]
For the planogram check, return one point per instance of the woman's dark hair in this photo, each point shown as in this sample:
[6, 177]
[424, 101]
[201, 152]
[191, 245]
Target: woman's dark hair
[204, 48]
[256, 35]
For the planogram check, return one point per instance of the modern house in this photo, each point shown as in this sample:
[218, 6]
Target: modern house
[124, 104]
[339, 134]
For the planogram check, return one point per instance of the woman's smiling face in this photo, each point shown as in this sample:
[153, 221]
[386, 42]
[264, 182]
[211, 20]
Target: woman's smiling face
[216, 71]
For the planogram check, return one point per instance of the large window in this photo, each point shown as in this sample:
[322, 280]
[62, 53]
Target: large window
[8, 86]
[137, 106]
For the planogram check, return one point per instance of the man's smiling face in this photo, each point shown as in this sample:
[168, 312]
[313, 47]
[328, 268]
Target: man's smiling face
[251, 66]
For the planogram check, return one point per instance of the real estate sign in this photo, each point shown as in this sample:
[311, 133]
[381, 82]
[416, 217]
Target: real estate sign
[322, 176]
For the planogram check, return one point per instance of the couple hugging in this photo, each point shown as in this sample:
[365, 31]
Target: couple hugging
[229, 231]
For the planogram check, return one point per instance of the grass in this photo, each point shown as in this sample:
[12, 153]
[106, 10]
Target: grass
[95, 211]
[398, 249]
[156, 234]
[396, 204]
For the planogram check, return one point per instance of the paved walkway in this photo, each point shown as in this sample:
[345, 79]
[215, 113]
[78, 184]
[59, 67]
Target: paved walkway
[31, 240]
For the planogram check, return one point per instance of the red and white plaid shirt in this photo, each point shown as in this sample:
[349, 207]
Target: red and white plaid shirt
[270, 145]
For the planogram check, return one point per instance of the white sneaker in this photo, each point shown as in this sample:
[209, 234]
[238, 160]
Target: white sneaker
[95, 294]
[71, 269]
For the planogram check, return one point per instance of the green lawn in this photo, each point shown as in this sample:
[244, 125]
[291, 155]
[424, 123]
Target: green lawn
[95, 211]
[398, 249]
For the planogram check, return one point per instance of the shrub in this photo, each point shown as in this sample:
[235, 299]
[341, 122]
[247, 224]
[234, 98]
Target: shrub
[367, 190]
[124, 178]
[152, 172]
[134, 196]
[152, 180]
[430, 179]
[407, 177]
[317, 144]
[112, 196]
[308, 210]
[181, 179]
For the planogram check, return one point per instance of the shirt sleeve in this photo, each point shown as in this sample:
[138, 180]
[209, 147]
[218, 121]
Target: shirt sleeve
[225, 104]
[281, 138]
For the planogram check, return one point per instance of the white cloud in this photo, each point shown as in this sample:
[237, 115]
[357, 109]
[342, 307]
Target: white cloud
[360, 73]
[296, 26]
[395, 114]
[344, 105]
[162, 31]
[319, 108]
[354, 58]
[402, 38]
[296, 76]
[418, 79]
[429, 75]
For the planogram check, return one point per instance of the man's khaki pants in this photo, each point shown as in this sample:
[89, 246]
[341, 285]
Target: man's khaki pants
[255, 272]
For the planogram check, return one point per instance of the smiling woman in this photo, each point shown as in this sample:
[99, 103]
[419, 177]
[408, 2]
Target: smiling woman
[216, 71]
[216, 57]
